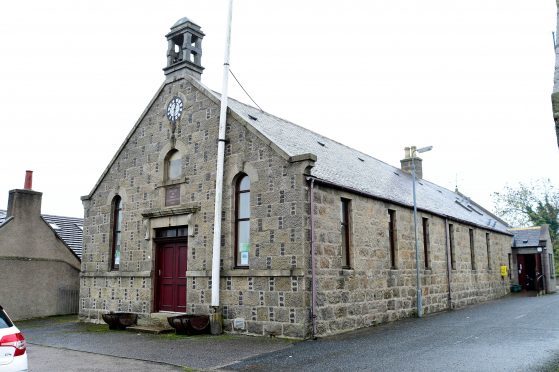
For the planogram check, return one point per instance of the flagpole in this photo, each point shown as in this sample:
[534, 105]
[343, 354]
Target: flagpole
[216, 253]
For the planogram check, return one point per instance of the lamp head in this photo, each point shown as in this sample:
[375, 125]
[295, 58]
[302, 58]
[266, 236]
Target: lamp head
[424, 149]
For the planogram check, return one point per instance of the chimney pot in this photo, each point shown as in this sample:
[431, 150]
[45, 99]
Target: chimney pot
[28, 180]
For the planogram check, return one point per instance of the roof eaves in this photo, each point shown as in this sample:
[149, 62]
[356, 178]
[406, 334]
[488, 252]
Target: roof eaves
[6, 221]
[362, 193]
[489, 213]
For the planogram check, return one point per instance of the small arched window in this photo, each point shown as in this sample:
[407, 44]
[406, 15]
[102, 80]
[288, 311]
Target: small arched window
[116, 232]
[242, 221]
[173, 165]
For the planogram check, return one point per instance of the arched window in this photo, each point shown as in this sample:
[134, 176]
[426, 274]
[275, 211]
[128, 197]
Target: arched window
[242, 221]
[173, 165]
[116, 231]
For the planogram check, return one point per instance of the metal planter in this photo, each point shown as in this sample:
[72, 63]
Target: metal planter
[119, 321]
[190, 324]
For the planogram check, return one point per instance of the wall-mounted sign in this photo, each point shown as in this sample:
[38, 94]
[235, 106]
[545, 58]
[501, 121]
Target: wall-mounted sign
[172, 195]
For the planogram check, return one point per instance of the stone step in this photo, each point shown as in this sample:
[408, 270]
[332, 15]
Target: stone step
[151, 329]
[157, 320]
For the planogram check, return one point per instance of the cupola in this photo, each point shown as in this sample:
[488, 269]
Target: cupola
[184, 50]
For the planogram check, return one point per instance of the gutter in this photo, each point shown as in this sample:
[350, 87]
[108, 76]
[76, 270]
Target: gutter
[358, 192]
[448, 263]
[313, 261]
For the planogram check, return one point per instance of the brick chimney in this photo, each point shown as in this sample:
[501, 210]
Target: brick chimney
[406, 162]
[25, 203]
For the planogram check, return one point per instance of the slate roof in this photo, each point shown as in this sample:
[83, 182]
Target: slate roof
[527, 237]
[69, 229]
[346, 167]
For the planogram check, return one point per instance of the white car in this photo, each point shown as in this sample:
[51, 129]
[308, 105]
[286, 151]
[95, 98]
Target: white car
[12, 346]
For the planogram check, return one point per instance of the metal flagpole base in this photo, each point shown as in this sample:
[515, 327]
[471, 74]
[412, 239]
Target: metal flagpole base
[216, 321]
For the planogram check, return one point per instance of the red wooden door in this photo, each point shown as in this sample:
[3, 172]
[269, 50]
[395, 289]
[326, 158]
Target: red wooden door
[171, 277]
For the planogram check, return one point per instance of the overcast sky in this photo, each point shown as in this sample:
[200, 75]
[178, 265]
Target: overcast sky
[472, 78]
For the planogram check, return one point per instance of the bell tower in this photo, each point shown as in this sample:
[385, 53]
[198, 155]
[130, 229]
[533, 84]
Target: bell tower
[184, 50]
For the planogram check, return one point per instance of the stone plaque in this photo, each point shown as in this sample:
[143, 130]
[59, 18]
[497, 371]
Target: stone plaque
[172, 195]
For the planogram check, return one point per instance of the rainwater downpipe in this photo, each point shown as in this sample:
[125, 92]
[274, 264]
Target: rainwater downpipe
[313, 262]
[448, 261]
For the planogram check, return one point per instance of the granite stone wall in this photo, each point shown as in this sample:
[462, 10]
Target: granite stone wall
[371, 291]
[269, 296]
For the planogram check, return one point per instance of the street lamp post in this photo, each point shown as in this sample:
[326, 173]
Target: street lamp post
[414, 151]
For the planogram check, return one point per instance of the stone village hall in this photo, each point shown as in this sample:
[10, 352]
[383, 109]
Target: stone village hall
[317, 238]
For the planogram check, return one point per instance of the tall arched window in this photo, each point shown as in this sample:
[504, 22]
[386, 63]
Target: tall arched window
[173, 166]
[173, 171]
[116, 231]
[242, 221]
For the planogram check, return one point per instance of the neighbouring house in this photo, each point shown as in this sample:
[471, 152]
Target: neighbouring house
[317, 238]
[39, 258]
[532, 259]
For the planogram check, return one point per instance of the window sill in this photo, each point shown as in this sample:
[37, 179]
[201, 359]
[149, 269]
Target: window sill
[347, 271]
[171, 182]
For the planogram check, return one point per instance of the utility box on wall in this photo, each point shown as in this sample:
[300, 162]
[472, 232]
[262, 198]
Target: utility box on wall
[504, 271]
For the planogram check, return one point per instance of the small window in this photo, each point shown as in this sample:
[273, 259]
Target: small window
[242, 221]
[345, 230]
[426, 242]
[392, 238]
[116, 227]
[173, 232]
[451, 246]
[174, 165]
[488, 244]
[472, 250]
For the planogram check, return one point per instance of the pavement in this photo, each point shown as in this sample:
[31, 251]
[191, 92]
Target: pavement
[48, 359]
[195, 352]
[516, 333]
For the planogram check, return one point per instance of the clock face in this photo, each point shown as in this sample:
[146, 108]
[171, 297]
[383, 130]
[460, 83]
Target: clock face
[174, 109]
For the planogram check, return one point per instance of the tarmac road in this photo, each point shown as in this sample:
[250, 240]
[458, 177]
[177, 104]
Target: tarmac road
[516, 333]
